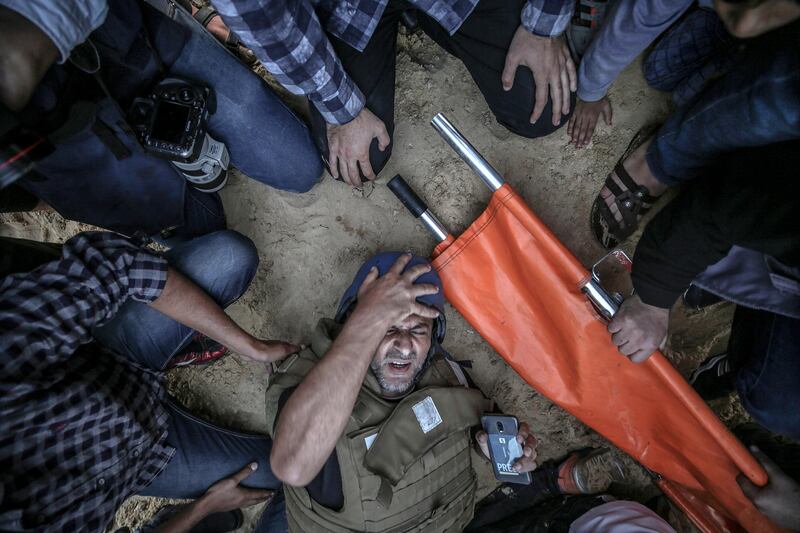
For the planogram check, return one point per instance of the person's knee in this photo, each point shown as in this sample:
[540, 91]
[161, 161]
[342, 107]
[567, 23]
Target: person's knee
[377, 158]
[522, 126]
[652, 70]
[308, 173]
[235, 249]
[222, 263]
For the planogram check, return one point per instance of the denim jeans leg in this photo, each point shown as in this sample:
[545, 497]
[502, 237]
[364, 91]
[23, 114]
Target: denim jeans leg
[273, 519]
[689, 45]
[222, 264]
[766, 346]
[206, 453]
[757, 102]
[203, 213]
[266, 140]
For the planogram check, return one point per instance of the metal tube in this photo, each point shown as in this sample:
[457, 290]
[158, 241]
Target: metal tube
[434, 226]
[605, 304]
[468, 153]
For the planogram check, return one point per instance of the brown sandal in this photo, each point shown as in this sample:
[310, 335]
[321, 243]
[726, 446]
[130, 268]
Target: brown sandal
[632, 200]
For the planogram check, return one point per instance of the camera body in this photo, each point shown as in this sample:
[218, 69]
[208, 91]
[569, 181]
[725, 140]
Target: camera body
[171, 121]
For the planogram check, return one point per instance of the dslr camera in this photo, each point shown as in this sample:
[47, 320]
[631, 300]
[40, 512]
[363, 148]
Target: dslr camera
[171, 123]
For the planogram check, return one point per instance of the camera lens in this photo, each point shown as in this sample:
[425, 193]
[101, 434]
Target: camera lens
[500, 427]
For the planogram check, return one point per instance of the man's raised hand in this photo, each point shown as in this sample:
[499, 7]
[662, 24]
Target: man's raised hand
[393, 296]
[552, 66]
[348, 147]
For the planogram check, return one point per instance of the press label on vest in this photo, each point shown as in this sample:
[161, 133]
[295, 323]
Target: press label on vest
[427, 414]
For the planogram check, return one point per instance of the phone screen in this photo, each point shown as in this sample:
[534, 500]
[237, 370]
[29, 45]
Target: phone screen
[170, 122]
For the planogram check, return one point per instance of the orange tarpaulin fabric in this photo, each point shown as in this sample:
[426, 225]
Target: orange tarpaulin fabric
[519, 287]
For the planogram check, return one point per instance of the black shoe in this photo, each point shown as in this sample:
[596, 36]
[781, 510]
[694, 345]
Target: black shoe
[697, 298]
[713, 378]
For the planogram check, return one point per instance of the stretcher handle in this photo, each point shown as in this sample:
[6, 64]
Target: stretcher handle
[417, 207]
[468, 153]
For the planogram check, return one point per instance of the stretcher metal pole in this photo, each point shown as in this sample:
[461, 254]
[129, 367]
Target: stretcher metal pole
[605, 303]
[417, 207]
[468, 153]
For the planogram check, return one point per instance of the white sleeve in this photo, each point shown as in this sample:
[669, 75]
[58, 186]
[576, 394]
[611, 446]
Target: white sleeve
[67, 23]
[620, 517]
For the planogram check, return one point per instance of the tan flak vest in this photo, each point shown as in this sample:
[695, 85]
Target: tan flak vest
[405, 464]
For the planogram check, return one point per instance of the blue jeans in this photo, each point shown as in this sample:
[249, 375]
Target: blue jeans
[754, 103]
[85, 180]
[265, 139]
[765, 347]
[223, 264]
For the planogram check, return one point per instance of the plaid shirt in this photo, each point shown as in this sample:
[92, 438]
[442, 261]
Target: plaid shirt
[81, 429]
[288, 37]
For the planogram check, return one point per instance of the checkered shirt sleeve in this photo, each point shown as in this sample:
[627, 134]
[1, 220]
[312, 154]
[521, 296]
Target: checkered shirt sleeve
[287, 37]
[547, 18]
[81, 429]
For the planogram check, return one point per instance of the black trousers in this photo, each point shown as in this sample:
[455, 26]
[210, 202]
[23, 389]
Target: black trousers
[481, 43]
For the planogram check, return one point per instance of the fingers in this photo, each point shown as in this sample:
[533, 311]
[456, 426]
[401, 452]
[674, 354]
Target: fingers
[333, 163]
[640, 356]
[255, 496]
[383, 138]
[509, 71]
[352, 172]
[244, 472]
[483, 442]
[540, 99]
[587, 130]
[281, 349]
[572, 73]
[607, 113]
[372, 275]
[424, 311]
[366, 168]
[769, 465]
[400, 264]
[416, 271]
[564, 91]
[750, 490]
[570, 125]
[615, 326]
[555, 96]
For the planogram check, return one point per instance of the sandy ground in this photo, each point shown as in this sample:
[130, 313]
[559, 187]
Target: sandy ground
[312, 244]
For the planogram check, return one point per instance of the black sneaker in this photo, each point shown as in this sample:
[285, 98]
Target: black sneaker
[713, 378]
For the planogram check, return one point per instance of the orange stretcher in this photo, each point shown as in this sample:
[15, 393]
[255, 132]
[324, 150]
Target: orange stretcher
[545, 314]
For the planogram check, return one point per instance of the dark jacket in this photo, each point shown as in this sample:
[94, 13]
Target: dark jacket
[735, 232]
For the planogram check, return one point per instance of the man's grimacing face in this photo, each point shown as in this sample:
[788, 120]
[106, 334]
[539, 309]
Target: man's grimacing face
[401, 354]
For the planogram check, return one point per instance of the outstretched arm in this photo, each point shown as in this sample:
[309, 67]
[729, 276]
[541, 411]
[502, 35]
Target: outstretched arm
[316, 413]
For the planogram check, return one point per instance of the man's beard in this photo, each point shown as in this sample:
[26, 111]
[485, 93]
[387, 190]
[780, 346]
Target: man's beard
[393, 387]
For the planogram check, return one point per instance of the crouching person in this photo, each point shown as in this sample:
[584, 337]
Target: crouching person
[85, 418]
